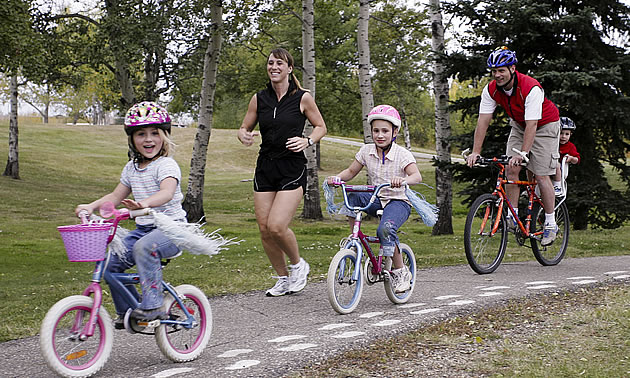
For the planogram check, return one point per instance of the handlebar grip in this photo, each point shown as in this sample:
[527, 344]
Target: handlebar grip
[139, 212]
[83, 214]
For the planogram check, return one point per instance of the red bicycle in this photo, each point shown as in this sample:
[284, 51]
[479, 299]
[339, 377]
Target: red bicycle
[486, 230]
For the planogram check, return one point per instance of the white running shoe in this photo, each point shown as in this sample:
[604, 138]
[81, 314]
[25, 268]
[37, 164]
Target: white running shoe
[549, 234]
[298, 276]
[280, 288]
[557, 190]
[401, 280]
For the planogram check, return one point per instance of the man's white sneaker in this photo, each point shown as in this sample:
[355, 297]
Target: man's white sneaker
[280, 288]
[549, 234]
[401, 280]
[557, 190]
[298, 276]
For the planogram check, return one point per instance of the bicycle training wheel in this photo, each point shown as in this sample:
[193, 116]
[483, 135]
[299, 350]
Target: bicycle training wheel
[344, 293]
[64, 352]
[554, 253]
[178, 343]
[409, 260]
[484, 248]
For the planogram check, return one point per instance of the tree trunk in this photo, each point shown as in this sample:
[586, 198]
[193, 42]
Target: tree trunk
[365, 84]
[122, 72]
[312, 207]
[13, 169]
[443, 174]
[405, 125]
[193, 202]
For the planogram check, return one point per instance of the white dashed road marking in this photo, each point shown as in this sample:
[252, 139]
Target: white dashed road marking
[489, 294]
[348, 334]
[243, 364]
[368, 315]
[295, 347]
[546, 286]
[580, 278]
[385, 323]
[282, 339]
[234, 352]
[584, 282]
[334, 326]
[461, 303]
[540, 283]
[172, 372]
[412, 305]
[494, 288]
[445, 297]
[425, 311]
[615, 272]
[623, 276]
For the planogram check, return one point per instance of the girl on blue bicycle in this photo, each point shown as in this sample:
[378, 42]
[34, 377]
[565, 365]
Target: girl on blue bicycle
[385, 162]
[153, 177]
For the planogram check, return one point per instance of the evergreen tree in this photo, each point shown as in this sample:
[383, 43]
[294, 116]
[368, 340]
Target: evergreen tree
[577, 51]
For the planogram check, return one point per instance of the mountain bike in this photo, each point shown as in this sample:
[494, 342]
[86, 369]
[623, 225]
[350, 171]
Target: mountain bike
[486, 229]
[77, 332]
[346, 274]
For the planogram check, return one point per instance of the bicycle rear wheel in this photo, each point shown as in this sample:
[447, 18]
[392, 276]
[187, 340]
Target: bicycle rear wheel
[344, 293]
[409, 260]
[59, 341]
[554, 253]
[180, 344]
[485, 249]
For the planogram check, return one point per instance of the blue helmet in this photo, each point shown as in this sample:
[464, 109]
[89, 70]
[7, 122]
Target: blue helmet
[567, 123]
[502, 57]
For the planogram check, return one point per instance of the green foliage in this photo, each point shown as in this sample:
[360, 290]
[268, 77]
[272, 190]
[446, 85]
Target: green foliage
[570, 47]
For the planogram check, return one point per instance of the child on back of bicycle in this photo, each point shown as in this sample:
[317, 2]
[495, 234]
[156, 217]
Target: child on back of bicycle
[154, 180]
[566, 148]
[385, 162]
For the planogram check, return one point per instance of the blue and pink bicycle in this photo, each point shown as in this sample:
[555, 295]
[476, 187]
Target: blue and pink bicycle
[77, 333]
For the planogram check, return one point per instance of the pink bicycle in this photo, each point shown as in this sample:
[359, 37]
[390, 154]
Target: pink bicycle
[77, 333]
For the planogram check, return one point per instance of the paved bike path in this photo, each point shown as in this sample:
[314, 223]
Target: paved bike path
[256, 336]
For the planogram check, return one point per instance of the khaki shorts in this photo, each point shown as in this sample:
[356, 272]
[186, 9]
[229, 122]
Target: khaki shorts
[544, 154]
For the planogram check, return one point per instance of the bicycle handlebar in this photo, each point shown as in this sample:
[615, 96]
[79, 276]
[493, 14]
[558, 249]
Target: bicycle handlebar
[503, 159]
[361, 188]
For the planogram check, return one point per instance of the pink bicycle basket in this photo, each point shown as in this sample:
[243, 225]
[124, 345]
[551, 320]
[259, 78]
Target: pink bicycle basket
[85, 242]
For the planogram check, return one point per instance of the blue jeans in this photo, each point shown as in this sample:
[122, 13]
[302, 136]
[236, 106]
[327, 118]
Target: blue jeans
[394, 215]
[146, 245]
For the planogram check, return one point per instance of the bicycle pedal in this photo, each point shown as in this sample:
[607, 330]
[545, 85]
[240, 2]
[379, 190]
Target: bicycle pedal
[149, 324]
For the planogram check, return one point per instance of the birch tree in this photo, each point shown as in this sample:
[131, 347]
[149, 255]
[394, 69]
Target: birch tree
[12, 168]
[193, 202]
[312, 207]
[443, 174]
[365, 83]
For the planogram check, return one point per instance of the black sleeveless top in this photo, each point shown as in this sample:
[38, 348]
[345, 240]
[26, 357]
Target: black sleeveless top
[279, 121]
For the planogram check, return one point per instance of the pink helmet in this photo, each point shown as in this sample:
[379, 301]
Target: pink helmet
[384, 112]
[145, 114]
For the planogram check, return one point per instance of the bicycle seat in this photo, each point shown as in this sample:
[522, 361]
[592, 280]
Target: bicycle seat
[164, 262]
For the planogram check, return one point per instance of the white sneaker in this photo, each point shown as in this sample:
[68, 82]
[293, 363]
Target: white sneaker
[557, 190]
[549, 234]
[401, 280]
[298, 276]
[280, 288]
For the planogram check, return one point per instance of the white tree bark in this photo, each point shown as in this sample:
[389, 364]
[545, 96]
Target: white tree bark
[13, 169]
[365, 83]
[443, 175]
[193, 202]
[312, 208]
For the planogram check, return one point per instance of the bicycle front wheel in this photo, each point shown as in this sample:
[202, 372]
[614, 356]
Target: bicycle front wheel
[554, 253]
[484, 248]
[178, 343]
[409, 260]
[344, 293]
[64, 352]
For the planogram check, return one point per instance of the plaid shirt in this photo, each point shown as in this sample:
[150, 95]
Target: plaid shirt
[381, 170]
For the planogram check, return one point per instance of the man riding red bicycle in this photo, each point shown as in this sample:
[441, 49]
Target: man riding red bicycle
[535, 122]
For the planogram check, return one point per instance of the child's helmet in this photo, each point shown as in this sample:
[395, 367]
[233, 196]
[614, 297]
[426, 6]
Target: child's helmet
[384, 112]
[502, 57]
[567, 123]
[145, 114]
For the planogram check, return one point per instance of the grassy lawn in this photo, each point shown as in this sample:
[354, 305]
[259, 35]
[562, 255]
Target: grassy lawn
[62, 166]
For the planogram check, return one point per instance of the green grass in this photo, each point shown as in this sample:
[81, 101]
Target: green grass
[62, 166]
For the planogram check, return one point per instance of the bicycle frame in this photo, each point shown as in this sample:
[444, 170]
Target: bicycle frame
[358, 239]
[122, 280]
[499, 190]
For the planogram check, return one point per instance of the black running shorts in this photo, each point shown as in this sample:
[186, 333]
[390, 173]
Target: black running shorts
[275, 175]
